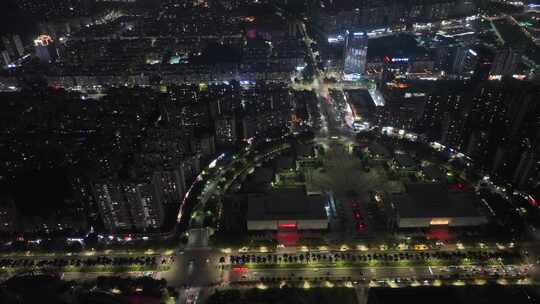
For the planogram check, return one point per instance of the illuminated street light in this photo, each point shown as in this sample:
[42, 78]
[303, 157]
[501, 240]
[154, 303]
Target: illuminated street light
[480, 282]
[362, 248]
[403, 246]
[525, 281]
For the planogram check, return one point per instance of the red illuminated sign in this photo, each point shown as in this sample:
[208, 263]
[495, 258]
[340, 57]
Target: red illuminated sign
[532, 201]
[287, 225]
[240, 269]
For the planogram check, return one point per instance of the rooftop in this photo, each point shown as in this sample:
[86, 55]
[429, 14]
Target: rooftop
[402, 45]
[434, 200]
[434, 172]
[378, 149]
[404, 160]
[284, 162]
[286, 204]
[259, 180]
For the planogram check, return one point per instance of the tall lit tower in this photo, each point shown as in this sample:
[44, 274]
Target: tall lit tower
[355, 55]
[42, 45]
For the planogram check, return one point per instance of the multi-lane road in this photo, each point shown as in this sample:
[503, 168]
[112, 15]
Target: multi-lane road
[354, 274]
[205, 266]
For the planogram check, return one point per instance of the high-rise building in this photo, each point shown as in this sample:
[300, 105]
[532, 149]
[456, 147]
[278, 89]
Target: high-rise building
[51, 9]
[191, 166]
[205, 145]
[442, 115]
[126, 206]
[43, 45]
[8, 215]
[226, 130]
[6, 60]
[527, 171]
[18, 45]
[355, 54]
[340, 15]
[505, 63]
[493, 122]
[465, 60]
[172, 184]
[8, 45]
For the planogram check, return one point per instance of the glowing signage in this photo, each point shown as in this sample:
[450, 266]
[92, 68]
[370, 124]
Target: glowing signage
[439, 221]
[397, 59]
[287, 226]
[352, 77]
[409, 95]
[336, 39]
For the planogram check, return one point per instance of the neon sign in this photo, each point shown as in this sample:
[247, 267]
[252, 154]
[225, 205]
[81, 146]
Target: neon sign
[400, 59]
[287, 225]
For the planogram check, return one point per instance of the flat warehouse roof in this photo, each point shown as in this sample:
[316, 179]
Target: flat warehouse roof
[286, 204]
[429, 200]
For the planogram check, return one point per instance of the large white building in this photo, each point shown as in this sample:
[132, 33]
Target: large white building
[287, 209]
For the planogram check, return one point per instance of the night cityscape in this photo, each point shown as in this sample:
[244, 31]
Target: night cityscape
[269, 151]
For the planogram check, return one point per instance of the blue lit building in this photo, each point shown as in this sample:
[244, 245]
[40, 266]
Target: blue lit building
[355, 55]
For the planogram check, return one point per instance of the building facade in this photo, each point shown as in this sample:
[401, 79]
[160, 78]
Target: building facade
[355, 55]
